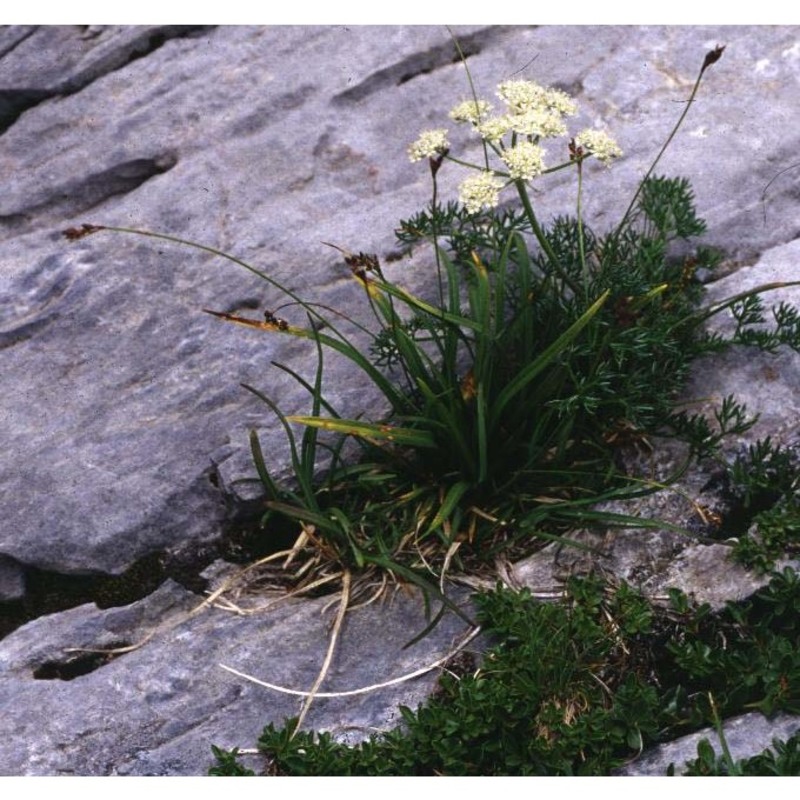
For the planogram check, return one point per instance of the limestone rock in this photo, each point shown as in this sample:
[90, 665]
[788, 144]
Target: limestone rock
[747, 735]
[156, 709]
[249, 140]
[122, 412]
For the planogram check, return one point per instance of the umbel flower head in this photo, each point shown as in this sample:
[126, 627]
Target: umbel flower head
[471, 111]
[525, 160]
[540, 123]
[600, 144]
[493, 129]
[479, 191]
[430, 144]
[532, 113]
[524, 96]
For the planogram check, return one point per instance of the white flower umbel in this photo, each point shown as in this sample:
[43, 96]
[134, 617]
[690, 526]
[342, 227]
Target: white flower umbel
[493, 129]
[525, 161]
[471, 111]
[538, 122]
[559, 101]
[521, 96]
[430, 144]
[599, 144]
[480, 191]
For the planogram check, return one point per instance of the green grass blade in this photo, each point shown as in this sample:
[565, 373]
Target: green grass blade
[548, 356]
[315, 518]
[261, 467]
[453, 283]
[427, 629]
[443, 408]
[307, 386]
[451, 500]
[427, 587]
[483, 439]
[387, 388]
[417, 362]
[303, 478]
[420, 305]
[308, 446]
[453, 334]
[501, 271]
[480, 299]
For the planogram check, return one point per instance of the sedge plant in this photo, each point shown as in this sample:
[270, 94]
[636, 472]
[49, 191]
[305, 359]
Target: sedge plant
[509, 386]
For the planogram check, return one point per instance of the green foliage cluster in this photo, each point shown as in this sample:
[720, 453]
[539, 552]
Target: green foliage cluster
[227, 765]
[764, 485]
[760, 488]
[777, 534]
[581, 687]
[510, 388]
[633, 355]
[750, 321]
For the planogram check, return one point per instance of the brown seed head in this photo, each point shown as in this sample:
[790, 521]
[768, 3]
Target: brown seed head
[712, 56]
[73, 234]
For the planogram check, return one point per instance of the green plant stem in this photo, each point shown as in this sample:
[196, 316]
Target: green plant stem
[711, 311]
[341, 343]
[581, 247]
[435, 221]
[471, 86]
[664, 147]
[730, 762]
[222, 254]
[541, 237]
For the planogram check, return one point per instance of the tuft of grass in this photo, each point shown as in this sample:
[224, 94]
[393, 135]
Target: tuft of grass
[540, 349]
[764, 504]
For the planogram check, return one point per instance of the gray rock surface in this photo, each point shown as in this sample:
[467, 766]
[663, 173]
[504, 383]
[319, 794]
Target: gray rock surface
[157, 709]
[249, 139]
[746, 736]
[121, 407]
[12, 580]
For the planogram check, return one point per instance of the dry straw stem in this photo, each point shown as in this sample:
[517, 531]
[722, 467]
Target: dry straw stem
[365, 689]
[337, 626]
[217, 600]
[113, 651]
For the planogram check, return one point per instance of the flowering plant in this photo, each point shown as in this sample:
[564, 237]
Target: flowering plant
[508, 393]
[533, 113]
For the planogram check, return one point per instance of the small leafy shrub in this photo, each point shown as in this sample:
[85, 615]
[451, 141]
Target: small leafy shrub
[777, 534]
[227, 765]
[759, 488]
[764, 486]
[581, 687]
